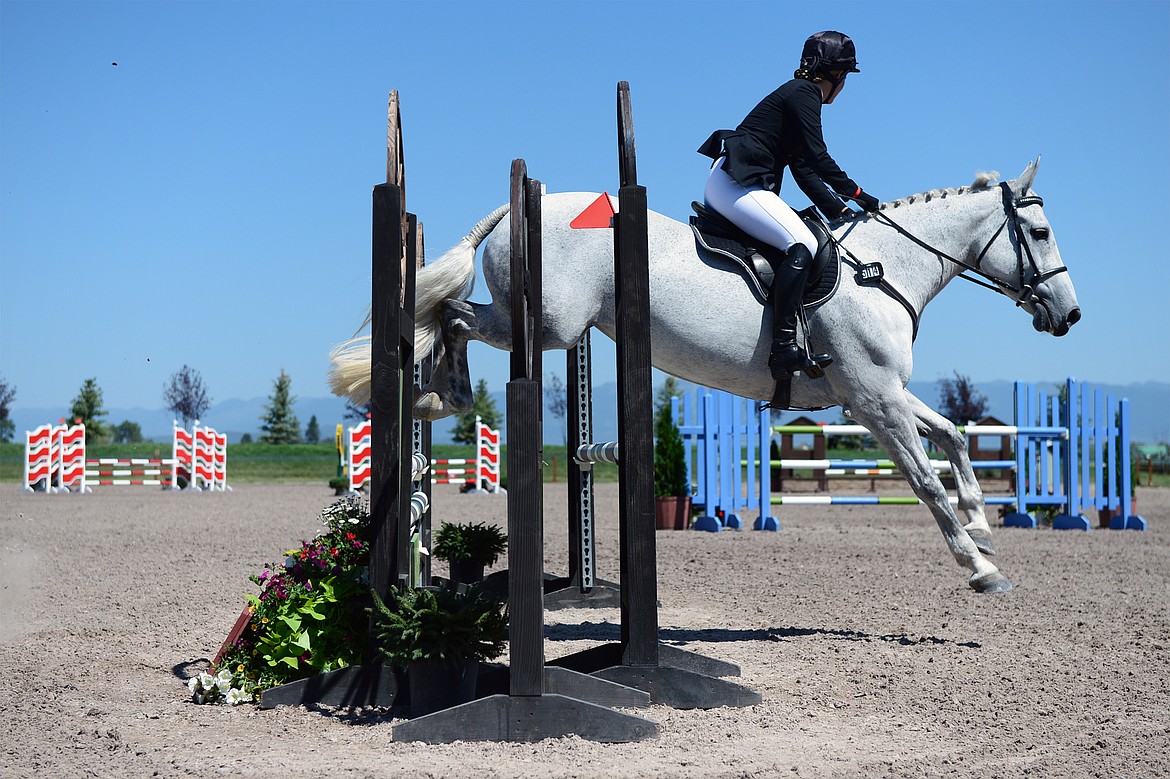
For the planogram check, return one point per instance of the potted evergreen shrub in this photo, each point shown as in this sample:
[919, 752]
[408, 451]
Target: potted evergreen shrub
[339, 484]
[672, 485]
[439, 635]
[469, 549]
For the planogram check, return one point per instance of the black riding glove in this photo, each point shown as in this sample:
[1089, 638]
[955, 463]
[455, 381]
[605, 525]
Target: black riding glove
[867, 201]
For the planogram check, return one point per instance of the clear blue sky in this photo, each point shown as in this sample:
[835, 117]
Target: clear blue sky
[206, 199]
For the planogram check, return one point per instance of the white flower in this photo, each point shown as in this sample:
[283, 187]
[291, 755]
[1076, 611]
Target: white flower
[223, 680]
[193, 683]
[235, 697]
[206, 681]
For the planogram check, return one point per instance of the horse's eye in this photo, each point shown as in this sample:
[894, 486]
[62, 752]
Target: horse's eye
[1040, 233]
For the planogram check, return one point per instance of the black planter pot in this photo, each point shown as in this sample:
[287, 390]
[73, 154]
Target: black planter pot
[466, 571]
[436, 685]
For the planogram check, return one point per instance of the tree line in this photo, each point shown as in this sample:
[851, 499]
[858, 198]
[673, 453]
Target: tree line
[186, 396]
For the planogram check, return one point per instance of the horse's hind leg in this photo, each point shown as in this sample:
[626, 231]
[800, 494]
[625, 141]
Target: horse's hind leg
[942, 433]
[428, 398]
[893, 424]
[449, 391]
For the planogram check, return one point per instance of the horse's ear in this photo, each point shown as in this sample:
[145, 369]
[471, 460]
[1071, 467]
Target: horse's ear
[1024, 183]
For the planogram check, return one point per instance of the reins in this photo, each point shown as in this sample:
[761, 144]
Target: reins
[1026, 290]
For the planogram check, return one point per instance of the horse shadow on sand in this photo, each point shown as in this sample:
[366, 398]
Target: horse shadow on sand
[610, 631]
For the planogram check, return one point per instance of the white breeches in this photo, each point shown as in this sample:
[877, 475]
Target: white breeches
[758, 212]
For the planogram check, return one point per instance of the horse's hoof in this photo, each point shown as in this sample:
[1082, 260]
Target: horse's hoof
[983, 542]
[992, 582]
[428, 407]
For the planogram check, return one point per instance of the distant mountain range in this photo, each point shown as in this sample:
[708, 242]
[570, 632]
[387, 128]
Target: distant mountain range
[1149, 403]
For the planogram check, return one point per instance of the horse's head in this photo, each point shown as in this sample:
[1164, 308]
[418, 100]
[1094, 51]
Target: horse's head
[1024, 262]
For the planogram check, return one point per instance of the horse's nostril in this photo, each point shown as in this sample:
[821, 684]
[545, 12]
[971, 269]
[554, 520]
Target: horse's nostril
[1074, 316]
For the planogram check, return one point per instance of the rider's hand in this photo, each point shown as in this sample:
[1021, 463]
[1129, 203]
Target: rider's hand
[867, 201]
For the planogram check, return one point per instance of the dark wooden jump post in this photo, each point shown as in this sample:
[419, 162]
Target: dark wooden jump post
[541, 701]
[396, 238]
[671, 676]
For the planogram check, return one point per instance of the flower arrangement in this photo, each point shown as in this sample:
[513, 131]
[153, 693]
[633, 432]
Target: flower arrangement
[310, 616]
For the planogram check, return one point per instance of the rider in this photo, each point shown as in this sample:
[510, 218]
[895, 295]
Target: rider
[784, 130]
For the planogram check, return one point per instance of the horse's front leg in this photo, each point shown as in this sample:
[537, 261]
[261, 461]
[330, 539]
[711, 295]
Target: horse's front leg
[942, 433]
[892, 422]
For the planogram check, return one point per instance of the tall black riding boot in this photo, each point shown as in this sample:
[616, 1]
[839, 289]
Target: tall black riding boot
[787, 289]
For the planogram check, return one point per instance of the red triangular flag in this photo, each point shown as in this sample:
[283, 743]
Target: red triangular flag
[599, 214]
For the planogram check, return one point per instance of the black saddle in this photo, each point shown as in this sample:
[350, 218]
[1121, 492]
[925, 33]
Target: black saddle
[720, 240]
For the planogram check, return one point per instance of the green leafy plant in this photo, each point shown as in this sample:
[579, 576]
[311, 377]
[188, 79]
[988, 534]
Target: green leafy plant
[311, 614]
[477, 542]
[448, 624]
[670, 467]
[1045, 515]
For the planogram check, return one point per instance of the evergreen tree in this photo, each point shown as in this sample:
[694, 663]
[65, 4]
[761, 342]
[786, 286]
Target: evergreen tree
[7, 395]
[959, 401]
[312, 431]
[185, 395]
[671, 388]
[87, 409]
[483, 406]
[670, 468]
[279, 424]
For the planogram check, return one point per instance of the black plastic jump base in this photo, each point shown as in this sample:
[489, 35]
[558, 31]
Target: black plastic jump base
[526, 718]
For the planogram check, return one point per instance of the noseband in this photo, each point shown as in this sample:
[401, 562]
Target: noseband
[1027, 289]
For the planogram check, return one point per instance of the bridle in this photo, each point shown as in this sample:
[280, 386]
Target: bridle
[1027, 289]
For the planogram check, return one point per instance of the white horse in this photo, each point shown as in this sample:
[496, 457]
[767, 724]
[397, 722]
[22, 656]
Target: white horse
[708, 327]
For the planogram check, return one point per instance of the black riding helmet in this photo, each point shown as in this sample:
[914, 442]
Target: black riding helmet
[825, 52]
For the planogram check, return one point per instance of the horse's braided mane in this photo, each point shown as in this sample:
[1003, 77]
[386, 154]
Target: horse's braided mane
[983, 180]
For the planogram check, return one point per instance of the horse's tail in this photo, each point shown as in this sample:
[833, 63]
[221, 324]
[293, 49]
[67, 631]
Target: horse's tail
[451, 276]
